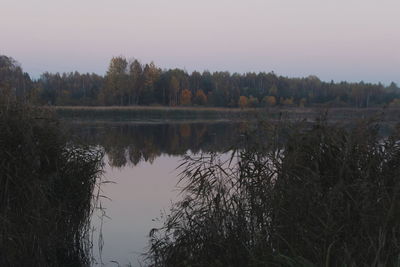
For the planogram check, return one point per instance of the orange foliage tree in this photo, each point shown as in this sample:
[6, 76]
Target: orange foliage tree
[200, 98]
[243, 101]
[270, 101]
[186, 97]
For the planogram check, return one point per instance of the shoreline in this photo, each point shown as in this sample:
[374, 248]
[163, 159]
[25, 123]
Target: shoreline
[165, 114]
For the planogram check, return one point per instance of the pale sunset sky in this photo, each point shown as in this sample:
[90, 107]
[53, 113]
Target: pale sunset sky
[349, 40]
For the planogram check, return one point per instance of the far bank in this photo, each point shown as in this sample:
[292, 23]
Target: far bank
[160, 113]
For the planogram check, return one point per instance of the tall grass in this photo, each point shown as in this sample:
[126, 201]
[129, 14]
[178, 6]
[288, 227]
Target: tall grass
[296, 195]
[46, 190]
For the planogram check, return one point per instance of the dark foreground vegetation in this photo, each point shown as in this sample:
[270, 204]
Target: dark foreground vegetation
[293, 195]
[46, 190]
[129, 82]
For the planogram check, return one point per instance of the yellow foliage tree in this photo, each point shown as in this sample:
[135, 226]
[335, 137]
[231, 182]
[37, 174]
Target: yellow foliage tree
[243, 101]
[186, 97]
[287, 101]
[273, 90]
[270, 100]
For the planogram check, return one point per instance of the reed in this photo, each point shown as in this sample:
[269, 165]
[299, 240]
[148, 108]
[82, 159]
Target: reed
[47, 187]
[296, 195]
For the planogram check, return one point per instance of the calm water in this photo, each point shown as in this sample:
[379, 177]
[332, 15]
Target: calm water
[141, 161]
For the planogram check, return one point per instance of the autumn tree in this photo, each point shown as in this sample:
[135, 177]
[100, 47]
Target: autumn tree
[135, 81]
[116, 84]
[200, 98]
[145, 84]
[243, 101]
[150, 76]
[186, 97]
[273, 91]
[287, 101]
[173, 91]
[269, 101]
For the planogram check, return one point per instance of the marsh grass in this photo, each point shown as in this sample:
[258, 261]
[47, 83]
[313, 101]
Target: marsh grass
[47, 187]
[295, 194]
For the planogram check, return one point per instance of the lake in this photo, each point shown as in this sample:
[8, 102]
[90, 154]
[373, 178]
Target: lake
[140, 164]
[141, 160]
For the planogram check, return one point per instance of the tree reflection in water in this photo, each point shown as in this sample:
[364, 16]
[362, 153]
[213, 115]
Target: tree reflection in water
[131, 143]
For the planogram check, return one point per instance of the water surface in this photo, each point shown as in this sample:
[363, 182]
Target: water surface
[141, 161]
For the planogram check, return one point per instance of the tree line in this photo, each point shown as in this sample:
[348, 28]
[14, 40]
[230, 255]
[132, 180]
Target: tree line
[130, 82]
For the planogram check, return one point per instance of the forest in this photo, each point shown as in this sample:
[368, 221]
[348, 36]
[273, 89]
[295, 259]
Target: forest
[132, 83]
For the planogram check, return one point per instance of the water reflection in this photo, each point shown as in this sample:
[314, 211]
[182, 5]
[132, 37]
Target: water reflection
[141, 159]
[131, 143]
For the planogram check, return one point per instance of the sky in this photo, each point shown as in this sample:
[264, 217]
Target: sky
[338, 40]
